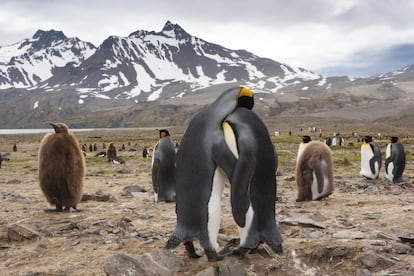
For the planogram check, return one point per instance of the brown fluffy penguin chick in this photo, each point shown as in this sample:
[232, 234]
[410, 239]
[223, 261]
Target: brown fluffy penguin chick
[314, 172]
[111, 152]
[61, 168]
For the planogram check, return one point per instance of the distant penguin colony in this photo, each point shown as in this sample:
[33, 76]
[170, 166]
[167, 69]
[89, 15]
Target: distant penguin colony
[163, 168]
[61, 168]
[204, 162]
[394, 161]
[370, 158]
[314, 170]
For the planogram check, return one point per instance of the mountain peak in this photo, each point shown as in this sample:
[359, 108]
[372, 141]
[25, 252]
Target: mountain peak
[50, 35]
[47, 38]
[168, 26]
[171, 27]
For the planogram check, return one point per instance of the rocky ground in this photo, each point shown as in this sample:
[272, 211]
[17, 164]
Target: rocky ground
[365, 227]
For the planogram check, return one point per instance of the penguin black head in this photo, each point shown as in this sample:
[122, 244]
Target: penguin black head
[394, 139]
[245, 98]
[367, 139]
[60, 128]
[306, 139]
[164, 133]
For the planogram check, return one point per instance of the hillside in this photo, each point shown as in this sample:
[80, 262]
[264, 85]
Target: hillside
[154, 78]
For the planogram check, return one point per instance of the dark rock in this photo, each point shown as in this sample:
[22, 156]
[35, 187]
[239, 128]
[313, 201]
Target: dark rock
[125, 170]
[349, 235]
[209, 271]
[13, 181]
[131, 265]
[301, 221]
[134, 191]
[400, 248]
[20, 232]
[168, 259]
[231, 266]
[407, 239]
[98, 196]
[338, 252]
[363, 272]
[369, 260]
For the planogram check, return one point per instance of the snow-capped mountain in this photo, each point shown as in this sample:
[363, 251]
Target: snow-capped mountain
[144, 66]
[171, 74]
[31, 61]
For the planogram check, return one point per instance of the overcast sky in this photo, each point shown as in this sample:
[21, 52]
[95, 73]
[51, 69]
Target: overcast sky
[333, 37]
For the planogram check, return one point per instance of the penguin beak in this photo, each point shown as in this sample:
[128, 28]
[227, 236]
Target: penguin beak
[55, 127]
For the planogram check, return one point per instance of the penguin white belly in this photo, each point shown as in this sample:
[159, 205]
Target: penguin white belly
[390, 175]
[152, 165]
[366, 155]
[214, 206]
[244, 231]
[390, 166]
[300, 150]
[314, 186]
[231, 142]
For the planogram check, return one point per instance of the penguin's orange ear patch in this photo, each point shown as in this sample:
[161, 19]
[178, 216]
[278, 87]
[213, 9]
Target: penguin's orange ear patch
[245, 92]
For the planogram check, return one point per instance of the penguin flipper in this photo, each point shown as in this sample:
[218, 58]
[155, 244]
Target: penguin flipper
[372, 162]
[387, 161]
[240, 188]
[319, 169]
[319, 179]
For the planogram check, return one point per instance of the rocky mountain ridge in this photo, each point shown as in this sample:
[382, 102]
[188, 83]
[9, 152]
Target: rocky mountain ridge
[136, 80]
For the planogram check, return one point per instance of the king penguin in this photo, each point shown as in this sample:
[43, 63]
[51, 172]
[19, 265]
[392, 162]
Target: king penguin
[61, 168]
[111, 152]
[203, 165]
[253, 184]
[163, 168]
[370, 158]
[394, 161]
[314, 170]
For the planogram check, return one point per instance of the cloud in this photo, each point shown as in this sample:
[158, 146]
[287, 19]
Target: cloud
[316, 34]
[369, 62]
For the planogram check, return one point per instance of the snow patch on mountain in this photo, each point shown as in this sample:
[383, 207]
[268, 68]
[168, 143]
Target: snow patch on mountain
[141, 65]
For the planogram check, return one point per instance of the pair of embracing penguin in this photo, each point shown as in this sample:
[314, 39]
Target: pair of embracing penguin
[224, 141]
[371, 159]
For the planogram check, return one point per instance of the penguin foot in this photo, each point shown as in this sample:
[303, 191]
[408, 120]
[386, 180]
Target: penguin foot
[278, 249]
[173, 242]
[241, 251]
[191, 251]
[230, 247]
[213, 256]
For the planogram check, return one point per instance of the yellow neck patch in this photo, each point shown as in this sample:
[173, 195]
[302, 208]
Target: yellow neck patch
[230, 138]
